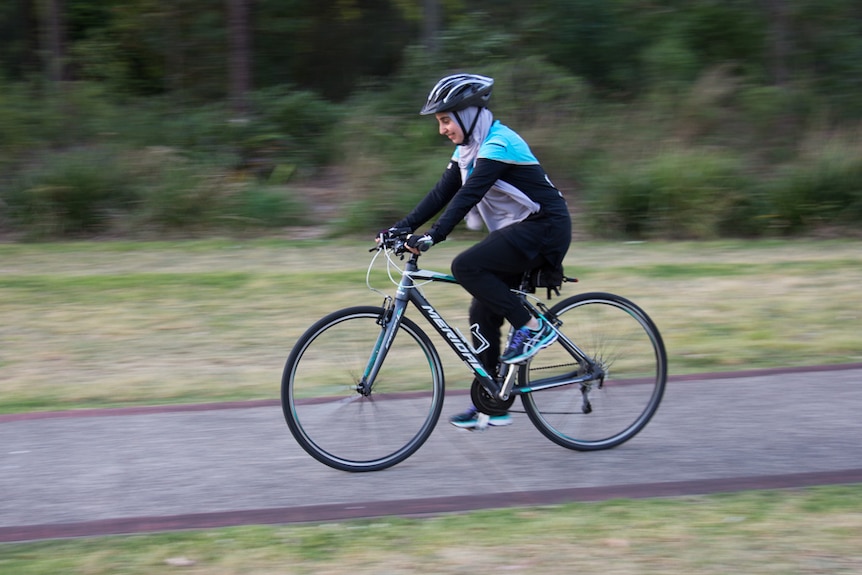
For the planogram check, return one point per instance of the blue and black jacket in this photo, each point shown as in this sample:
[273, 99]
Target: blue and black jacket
[508, 174]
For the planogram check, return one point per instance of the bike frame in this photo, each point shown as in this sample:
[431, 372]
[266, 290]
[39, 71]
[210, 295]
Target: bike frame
[408, 292]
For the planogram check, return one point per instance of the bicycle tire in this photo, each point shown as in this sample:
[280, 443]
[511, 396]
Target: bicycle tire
[625, 342]
[339, 426]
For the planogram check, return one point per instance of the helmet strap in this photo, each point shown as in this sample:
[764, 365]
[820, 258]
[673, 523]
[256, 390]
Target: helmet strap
[467, 133]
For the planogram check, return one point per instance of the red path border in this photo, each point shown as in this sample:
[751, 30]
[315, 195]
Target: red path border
[421, 507]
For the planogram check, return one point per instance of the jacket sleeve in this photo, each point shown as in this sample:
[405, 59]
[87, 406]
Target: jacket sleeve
[435, 200]
[480, 181]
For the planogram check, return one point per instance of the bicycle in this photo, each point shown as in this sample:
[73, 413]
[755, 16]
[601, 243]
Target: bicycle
[363, 387]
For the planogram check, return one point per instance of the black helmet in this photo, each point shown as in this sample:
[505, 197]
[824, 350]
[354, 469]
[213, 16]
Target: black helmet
[457, 92]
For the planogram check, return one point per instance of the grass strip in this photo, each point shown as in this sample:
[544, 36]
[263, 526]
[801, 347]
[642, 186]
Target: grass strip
[808, 531]
[105, 324]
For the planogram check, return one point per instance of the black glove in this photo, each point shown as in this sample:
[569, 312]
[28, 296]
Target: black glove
[421, 243]
[391, 233]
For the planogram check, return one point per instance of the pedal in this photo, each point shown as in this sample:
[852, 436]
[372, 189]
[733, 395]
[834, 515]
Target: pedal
[509, 381]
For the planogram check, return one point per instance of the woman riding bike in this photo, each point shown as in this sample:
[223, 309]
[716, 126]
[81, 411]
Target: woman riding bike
[493, 179]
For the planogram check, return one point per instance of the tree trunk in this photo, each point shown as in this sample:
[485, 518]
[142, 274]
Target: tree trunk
[239, 66]
[174, 50]
[779, 42]
[430, 24]
[54, 40]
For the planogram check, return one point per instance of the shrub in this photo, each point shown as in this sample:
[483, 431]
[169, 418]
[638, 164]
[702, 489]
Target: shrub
[302, 120]
[175, 192]
[553, 95]
[379, 193]
[71, 192]
[675, 194]
[15, 115]
[178, 193]
[265, 206]
[823, 187]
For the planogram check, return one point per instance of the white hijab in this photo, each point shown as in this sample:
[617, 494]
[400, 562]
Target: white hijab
[470, 147]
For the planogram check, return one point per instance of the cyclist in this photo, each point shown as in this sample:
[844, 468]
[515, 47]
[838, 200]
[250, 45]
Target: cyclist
[494, 179]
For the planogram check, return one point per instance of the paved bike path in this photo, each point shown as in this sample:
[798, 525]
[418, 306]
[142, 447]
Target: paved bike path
[125, 471]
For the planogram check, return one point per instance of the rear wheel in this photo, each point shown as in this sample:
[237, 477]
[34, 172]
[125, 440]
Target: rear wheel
[328, 414]
[630, 367]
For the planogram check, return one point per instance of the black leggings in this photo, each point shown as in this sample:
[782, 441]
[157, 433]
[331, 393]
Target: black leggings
[487, 271]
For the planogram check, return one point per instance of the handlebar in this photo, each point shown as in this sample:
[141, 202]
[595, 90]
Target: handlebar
[394, 239]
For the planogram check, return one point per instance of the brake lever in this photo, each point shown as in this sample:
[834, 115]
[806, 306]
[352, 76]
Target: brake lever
[396, 245]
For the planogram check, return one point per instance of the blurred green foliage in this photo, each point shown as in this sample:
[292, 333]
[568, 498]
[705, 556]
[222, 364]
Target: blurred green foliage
[691, 119]
[70, 192]
[822, 188]
[679, 193]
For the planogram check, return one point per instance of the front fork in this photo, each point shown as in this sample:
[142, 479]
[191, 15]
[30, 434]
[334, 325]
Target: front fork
[388, 321]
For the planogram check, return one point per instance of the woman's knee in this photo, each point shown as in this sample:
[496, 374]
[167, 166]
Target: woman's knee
[463, 265]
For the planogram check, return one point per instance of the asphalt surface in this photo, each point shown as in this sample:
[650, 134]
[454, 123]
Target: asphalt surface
[83, 473]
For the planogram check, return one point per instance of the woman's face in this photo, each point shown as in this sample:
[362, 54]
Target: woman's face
[450, 127]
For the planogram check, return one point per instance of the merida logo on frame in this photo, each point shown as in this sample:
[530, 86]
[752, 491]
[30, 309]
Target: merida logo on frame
[454, 339]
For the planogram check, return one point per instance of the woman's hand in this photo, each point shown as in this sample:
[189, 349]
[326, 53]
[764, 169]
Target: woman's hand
[416, 243]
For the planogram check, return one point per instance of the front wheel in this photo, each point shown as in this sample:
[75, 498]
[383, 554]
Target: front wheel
[327, 412]
[628, 359]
